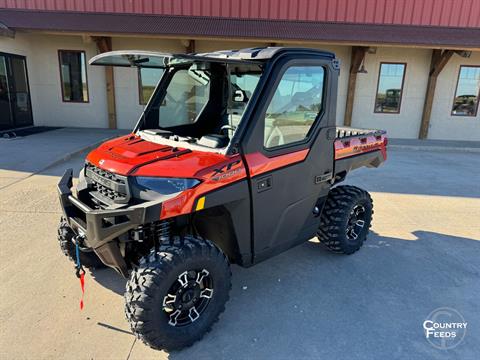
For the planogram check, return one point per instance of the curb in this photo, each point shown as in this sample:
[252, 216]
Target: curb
[72, 154]
[434, 148]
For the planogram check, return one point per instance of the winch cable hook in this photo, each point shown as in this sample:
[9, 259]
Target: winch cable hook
[79, 272]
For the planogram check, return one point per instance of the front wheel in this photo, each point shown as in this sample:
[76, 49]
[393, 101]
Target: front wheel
[177, 292]
[345, 219]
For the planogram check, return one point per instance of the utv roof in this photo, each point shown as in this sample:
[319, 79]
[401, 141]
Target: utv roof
[141, 58]
[260, 53]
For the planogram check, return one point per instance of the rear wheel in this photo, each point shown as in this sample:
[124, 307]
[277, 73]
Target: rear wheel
[346, 219]
[65, 239]
[177, 292]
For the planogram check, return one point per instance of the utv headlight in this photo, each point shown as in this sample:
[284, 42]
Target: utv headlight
[166, 186]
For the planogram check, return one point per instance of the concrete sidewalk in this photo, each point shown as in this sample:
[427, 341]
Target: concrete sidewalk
[23, 156]
[434, 145]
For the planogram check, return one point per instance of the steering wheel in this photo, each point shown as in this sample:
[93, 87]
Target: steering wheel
[274, 134]
[228, 127]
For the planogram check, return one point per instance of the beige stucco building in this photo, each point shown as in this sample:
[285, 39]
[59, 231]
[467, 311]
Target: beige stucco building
[40, 48]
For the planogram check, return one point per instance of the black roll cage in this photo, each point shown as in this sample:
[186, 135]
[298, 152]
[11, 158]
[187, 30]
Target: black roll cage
[263, 89]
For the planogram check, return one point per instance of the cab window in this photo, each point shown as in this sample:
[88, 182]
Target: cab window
[295, 105]
[186, 96]
[242, 87]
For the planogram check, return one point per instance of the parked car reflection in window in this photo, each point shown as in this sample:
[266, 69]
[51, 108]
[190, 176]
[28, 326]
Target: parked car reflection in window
[465, 102]
[390, 88]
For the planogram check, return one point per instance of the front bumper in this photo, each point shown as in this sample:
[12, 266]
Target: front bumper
[102, 227]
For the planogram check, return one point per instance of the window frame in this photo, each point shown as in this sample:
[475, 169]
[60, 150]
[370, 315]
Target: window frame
[401, 89]
[61, 76]
[280, 149]
[455, 93]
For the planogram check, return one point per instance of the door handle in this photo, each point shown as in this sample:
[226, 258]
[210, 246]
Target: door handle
[264, 183]
[322, 178]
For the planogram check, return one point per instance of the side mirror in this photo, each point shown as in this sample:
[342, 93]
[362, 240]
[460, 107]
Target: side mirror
[239, 96]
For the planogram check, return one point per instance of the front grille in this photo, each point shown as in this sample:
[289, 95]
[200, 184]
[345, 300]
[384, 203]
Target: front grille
[107, 174]
[111, 194]
[106, 186]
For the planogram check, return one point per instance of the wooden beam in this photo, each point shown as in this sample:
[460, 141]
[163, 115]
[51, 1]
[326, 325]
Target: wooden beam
[358, 55]
[111, 106]
[439, 60]
[104, 44]
[191, 47]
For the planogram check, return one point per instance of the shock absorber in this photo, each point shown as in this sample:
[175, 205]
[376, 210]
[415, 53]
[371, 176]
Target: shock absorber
[152, 233]
[163, 230]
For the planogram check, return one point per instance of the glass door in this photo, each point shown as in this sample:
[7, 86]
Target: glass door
[15, 106]
[6, 120]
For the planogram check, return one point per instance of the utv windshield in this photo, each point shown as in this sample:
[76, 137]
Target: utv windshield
[200, 103]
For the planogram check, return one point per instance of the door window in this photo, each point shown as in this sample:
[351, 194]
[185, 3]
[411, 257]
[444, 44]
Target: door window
[295, 106]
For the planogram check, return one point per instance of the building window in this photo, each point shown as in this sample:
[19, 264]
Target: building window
[295, 105]
[147, 81]
[467, 93]
[73, 75]
[390, 88]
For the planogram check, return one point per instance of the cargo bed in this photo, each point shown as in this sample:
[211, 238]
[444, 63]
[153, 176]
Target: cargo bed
[355, 148]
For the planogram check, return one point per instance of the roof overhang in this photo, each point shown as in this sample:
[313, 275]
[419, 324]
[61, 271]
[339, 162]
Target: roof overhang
[250, 29]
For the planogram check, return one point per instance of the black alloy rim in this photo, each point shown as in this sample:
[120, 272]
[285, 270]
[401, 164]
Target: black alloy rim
[356, 222]
[188, 297]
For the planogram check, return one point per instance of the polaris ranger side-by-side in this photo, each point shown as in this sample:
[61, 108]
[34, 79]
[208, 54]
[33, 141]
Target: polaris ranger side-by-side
[233, 160]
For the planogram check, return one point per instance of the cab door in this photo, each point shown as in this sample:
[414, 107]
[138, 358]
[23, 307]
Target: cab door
[290, 155]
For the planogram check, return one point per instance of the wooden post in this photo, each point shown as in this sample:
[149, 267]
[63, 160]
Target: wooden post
[358, 55]
[191, 47]
[438, 62]
[104, 44]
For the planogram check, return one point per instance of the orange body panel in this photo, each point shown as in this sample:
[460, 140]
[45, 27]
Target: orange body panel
[131, 155]
[357, 145]
[259, 163]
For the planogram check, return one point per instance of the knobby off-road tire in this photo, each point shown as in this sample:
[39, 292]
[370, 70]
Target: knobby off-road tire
[154, 294]
[65, 239]
[346, 219]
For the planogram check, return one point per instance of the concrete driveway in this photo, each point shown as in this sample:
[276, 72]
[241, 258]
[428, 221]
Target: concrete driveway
[21, 157]
[423, 254]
